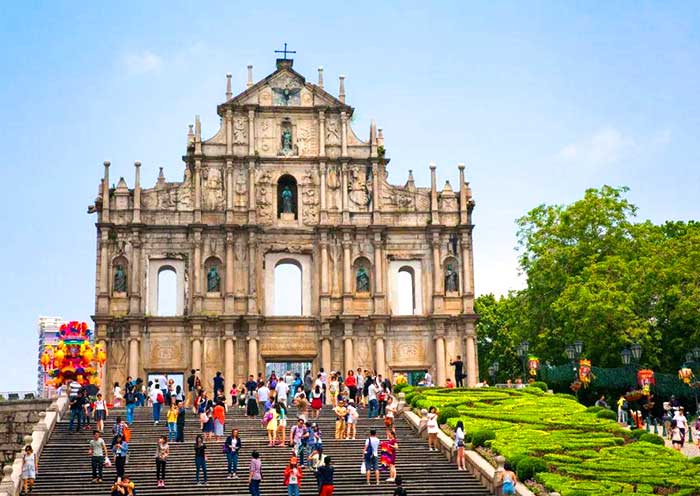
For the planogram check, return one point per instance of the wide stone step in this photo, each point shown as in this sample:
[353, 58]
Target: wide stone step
[65, 463]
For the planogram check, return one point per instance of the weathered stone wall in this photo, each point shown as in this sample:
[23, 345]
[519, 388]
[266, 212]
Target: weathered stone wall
[17, 419]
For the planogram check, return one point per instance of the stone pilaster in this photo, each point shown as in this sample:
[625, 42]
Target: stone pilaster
[347, 273]
[136, 215]
[252, 272]
[198, 190]
[229, 279]
[134, 352]
[135, 282]
[197, 270]
[348, 348]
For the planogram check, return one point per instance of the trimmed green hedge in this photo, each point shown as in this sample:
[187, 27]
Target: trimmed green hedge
[577, 451]
[540, 385]
[447, 413]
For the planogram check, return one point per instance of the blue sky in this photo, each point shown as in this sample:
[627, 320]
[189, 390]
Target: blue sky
[540, 99]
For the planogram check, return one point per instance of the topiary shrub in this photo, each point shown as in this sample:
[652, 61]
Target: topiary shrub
[541, 385]
[593, 409]
[447, 413]
[606, 414]
[648, 437]
[528, 466]
[637, 433]
[400, 387]
[480, 437]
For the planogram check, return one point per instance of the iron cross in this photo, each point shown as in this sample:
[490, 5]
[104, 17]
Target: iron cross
[285, 51]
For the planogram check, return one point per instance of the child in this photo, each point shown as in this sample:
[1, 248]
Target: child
[29, 468]
[162, 453]
[234, 395]
[351, 422]
[101, 413]
[200, 458]
[172, 422]
[341, 414]
[292, 477]
[399, 490]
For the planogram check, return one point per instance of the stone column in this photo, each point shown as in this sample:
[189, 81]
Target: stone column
[326, 353]
[197, 353]
[228, 282]
[229, 190]
[472, 367]
[437, 266]
[375, 191]
[251, 132]
[344, 186]
[135, 282]
[321, 134]
[252, 271]
[229, 354]
[344, 134]
[348, 348]
[324, 263]
[133, 356]
[228, 123]
[104, 261]
[347, 264]
[434, 214]
[463, 219]
[441, 372]
[253, 356]
[380, 361]
[105, 194]
[196, 270]
[251, 192]
[136, 219]
[197, 190]
[467, 273]
[322, 174]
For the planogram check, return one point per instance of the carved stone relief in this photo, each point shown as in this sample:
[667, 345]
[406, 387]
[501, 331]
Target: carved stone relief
[333, 131]
[359, 187]
[306, 139]
[266, 135]
[286, 91]
[309, 199]
[165, 352]
[240, 130]
[363, 353]
[307, 98]
[408, 351]
[184, 192]
[265, 97]
[264, 197]
[241, 188]
[117, 358]
[213, 189]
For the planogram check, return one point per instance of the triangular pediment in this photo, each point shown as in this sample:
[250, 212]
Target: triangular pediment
[284, 88]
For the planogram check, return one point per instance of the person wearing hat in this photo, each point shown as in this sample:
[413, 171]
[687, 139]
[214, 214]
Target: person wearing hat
[292, 477]
[341, 413]
[351, 420]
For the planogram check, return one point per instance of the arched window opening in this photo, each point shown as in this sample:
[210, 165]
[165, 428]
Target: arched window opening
[287, 197]
[167, 292]
[405, 282]
[287, 289]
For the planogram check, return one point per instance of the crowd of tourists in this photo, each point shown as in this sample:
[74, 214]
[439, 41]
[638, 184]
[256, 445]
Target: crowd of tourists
[287, 406]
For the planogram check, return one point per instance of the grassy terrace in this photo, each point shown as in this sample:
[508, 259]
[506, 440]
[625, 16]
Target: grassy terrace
[560, 444]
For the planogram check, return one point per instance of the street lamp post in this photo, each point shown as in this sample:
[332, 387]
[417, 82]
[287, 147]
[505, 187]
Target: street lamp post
[522, 352]
[573, 353]
[493, 371]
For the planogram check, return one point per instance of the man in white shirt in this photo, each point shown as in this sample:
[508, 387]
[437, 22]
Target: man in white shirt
[282, 390]
[372, 400]
[428, 379]
[263, 393]
[372, 456]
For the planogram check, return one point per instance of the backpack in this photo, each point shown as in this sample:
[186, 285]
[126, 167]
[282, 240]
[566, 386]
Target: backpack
[266, 419]
[160, 399]
[126, 433]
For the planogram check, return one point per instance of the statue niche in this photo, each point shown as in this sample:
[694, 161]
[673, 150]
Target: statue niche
[451, 278]
[287, 147]
[362, 277]
[287, 198]
[213, 277]
[120, 279]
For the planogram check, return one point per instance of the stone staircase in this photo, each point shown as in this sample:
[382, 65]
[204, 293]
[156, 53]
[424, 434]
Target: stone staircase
[64, 466]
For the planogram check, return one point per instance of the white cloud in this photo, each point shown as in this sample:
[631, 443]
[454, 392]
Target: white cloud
[606, 146]
[142, 62]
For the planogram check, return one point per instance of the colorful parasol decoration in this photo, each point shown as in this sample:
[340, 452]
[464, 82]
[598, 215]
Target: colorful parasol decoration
[533, 365]
[645, 378]
[74, 357]
[585, 373]
[686, 375]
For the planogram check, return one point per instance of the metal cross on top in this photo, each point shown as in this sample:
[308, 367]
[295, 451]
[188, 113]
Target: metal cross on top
[285, 51]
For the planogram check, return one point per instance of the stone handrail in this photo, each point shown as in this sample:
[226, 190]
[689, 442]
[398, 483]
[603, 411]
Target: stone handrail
[11, 477]
[487, 474]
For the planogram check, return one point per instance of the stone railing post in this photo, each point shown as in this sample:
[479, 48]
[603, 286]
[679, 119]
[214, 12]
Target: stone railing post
[500, 468]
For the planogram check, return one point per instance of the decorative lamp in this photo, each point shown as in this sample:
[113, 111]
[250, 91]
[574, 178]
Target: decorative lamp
[626, 355]
[578, 346]
[636, 351]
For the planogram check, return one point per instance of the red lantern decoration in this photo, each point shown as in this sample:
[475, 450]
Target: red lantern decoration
[686, 375]
[533, 364]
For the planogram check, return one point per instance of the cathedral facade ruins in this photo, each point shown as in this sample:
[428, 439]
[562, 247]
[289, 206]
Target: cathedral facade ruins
[384, 274]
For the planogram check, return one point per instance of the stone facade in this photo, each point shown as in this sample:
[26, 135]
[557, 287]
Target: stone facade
[17, 420]
[284, 180]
